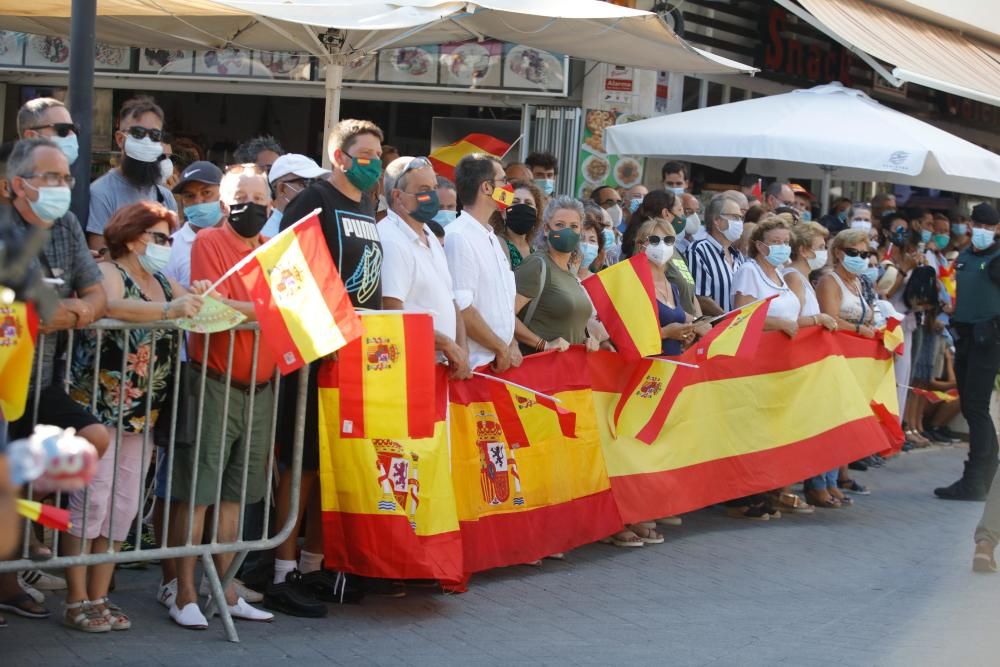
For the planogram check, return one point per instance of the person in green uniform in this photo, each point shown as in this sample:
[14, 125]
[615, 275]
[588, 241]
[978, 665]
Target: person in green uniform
[552, 307]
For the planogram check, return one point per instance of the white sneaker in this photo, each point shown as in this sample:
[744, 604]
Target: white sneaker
[167, 593]
[190, 617]
[44, 581]
[244, 611]
[32, 592]
[239, 587]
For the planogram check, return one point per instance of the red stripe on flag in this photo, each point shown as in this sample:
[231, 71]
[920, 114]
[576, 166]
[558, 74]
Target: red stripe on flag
[611, 319]
[488, 144]
[510, 421]
[331, 285]
[567, 419]
[350, 377]
[442, 168]
[418, 334]
[636, 378]
[271, 322]
[891, 426]
[675, 386]
[753, 331]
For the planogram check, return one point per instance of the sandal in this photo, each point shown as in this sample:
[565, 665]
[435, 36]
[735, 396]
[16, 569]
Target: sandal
[87, 618]
[647, 535]
[625, 539]
[791, 502]
[754, 512]
[23, 604]
[113, 613]
[852, 486]
[984, 561]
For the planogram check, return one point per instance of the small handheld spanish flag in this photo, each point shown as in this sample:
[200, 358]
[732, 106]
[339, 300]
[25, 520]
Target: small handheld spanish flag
[935, 396]
[55, 518]
[737, 334]
[625, 300]
[526, 415]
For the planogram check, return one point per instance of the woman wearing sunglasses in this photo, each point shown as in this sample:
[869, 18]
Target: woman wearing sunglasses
[656, 238]
[840, 292]
[138, 238]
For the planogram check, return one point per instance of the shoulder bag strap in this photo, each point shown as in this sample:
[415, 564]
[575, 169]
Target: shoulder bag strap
[541, 288]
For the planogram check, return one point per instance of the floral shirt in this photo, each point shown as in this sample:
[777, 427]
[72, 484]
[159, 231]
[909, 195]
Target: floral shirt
[138, 347]
[515, 255]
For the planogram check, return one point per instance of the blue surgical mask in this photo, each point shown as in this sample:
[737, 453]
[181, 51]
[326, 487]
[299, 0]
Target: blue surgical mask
[634, 204]
[609, 237]
[445, 217]
[273, 224]
[941, 241]
[777, 255]
[842, 216]
[69, 145]
[806, 216]
[871, 273]
[925, 235]
[855, 265]
[588, 252]
[546, 185]
[959, 229]
[677, 191]
[982, 238]
[155, 258]
[52, 202]
[203, 215]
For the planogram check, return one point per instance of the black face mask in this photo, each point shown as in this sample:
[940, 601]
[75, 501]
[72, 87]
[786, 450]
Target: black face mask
[521, 218]
[140, 174]
[247, 219]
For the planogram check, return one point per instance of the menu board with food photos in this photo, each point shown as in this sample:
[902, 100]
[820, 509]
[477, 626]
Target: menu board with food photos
[595, 166]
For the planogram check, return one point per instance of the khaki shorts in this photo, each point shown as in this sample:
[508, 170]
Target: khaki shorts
[222, 450]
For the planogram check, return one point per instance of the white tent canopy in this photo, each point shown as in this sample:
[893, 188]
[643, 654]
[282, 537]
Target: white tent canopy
[814, 133]
[580, 28]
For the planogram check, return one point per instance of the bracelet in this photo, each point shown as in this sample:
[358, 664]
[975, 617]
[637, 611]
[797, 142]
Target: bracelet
[540, 345]
[857, 328]
[815, 320]
[166, 308]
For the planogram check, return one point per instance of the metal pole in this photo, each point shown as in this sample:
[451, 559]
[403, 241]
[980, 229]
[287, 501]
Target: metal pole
[825, 190]
[334, 84]
[83, 42]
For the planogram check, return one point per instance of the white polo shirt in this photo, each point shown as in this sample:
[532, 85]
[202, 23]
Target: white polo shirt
[415, 271]
[482, 278]
[179, 266]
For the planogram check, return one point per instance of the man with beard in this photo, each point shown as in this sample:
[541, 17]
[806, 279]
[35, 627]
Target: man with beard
[143, 171]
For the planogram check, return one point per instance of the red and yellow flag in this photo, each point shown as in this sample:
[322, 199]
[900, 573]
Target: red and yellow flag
[388, 504]
[18, 328]
[525, 415]
[936, 396]
[387, 378]
[737, 334]
[301, 303]
[647, 399]
[892, 336]
[625, 300]
[49, 516]
[447, 157]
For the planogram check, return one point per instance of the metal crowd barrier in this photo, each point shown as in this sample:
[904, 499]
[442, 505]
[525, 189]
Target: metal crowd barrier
[193, 545]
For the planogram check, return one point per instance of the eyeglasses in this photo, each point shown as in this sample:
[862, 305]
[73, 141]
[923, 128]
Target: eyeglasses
[851, 252]
[503, 180]
[732, 217]
[159, 238]
[657, 240]
[62, 129]
[608, 203]
[139, 132]
[54, 179]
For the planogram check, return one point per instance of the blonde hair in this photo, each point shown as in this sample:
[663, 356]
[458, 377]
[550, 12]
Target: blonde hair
[804, 235]
[767, 224]
[345, 133]
[848, 237]
[647, 227]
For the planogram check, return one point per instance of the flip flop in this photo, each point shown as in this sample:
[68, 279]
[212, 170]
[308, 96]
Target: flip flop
[23, 604]
[624, 542]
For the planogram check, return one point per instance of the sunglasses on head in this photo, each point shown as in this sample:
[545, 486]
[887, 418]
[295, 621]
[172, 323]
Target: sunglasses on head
[657, 240]
[62, 129]
[159, 238]
[139, 132]
[851, 252]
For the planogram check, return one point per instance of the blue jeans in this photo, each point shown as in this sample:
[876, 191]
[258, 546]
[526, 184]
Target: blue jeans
[827, 480]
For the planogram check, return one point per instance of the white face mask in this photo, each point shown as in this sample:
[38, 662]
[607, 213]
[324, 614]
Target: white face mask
[692, 224]
[166, 170]
[660, 253]
[734, 231]
[615, 212]
[819, 261]
[155, 258]
[860, 223]
[143, 150]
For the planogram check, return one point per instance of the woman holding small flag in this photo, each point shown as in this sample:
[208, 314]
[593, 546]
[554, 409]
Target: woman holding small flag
[519, 223]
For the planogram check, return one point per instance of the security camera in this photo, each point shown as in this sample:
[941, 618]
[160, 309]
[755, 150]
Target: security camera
[332, 39]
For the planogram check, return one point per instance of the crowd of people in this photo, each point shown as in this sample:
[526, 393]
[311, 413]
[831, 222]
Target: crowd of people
[496, 255]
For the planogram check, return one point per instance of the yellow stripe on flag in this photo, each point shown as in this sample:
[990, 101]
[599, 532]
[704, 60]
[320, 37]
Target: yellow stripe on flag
[391, 379]
[640, 406]
[728, 342]
[307, 316]
[626, 291]
[452, 153]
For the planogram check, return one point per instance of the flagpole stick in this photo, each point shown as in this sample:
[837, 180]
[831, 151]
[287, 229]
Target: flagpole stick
[246, 260]
[518, 386]
[676, 363]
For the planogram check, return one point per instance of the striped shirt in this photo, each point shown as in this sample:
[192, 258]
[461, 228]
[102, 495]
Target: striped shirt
[713, 276]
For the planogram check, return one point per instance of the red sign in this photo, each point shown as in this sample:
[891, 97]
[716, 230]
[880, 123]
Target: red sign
[618, 85]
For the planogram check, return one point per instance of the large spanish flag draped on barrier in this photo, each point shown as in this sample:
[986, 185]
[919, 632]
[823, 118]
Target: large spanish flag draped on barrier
[736, 427]
[301, 303]
[18, 328]
[388, 504]
[386, 378]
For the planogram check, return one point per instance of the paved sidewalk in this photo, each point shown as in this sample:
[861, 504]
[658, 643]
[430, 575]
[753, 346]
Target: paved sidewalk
[887, 582]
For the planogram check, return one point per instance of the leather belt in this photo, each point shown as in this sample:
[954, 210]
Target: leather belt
[235, 384]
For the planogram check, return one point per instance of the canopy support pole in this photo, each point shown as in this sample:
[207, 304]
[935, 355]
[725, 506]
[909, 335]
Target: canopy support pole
[825, 189]
[334, 82]
[83, 42]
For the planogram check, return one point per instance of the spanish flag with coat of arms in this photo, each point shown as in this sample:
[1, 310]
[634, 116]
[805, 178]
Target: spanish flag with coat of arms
[18, 328]
[624, 298]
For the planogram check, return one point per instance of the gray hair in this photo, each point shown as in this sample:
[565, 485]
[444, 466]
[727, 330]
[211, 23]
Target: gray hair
[562, 203]
[248, 150]
[443, 182]
[714, 210]
[394, 177]
[22, 159]
[31, 112]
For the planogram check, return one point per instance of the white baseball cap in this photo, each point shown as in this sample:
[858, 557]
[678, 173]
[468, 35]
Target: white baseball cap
[293, 163]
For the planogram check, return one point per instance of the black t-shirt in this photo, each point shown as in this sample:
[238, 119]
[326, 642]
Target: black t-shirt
[351, 235]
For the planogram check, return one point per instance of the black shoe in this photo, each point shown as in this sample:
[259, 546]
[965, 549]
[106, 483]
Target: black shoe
[961, 490]
[289, 598]
[941, 435]
[952, 435]
[860, 466]
[329, 587]
[388, 588]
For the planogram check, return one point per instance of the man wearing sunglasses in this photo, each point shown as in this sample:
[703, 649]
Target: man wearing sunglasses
[49, 118]
[143, 170]
[289, 175]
